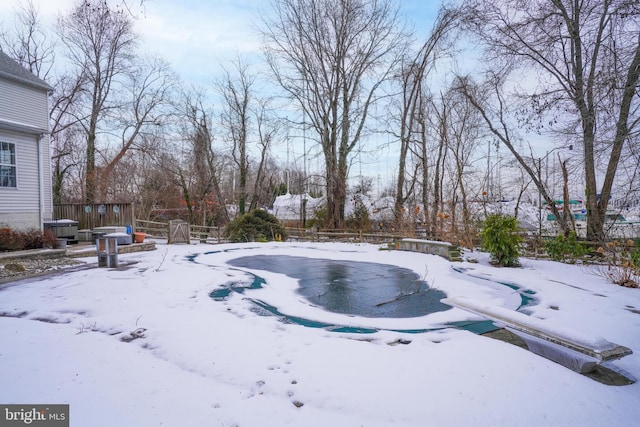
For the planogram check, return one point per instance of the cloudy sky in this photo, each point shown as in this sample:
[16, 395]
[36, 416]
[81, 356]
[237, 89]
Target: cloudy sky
[196, 36]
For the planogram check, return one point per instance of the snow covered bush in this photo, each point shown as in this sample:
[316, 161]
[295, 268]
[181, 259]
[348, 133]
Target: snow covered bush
[500, 238]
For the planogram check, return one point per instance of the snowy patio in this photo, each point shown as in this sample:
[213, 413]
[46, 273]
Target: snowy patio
[146, 345]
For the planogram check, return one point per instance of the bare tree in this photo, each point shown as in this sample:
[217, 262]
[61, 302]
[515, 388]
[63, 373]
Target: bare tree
[465, 131]
[197, 172]
[587, 54]
[331, 56]
[29, 43]
[267, 131]
[441, 114]
[149, 85]
[413, 74]
[237, 93]
[100, 44]
[118, 98]
[489, 100]
[248, 120]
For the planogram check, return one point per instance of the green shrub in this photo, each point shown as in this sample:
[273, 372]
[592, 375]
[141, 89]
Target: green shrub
[500, 239]
[565, 249]
[320, 218]
[255, 226]
[359, 219]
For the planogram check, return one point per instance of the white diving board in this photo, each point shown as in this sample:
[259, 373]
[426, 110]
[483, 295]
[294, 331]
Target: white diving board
[577, 350]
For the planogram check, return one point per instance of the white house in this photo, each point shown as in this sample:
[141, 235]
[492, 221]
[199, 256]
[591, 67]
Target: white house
[25, 160]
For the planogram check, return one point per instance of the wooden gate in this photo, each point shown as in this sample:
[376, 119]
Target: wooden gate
[179, 232]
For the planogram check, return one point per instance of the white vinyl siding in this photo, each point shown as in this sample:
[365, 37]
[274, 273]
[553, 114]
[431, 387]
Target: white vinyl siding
[23, 104]
[24, 121]
[25, 197]
[45, 160]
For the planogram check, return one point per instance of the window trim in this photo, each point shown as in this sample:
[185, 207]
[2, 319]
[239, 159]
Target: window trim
[13, 165]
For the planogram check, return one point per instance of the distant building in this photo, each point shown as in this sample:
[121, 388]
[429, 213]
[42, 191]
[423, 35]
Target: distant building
[25, 160]
[288, 207]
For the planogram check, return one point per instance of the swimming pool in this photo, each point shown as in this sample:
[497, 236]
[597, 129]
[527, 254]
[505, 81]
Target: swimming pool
[347, 295]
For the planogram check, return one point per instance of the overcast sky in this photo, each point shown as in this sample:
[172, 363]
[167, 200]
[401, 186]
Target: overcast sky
[196, 36]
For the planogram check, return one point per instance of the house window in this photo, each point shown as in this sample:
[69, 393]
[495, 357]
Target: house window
[7, 164]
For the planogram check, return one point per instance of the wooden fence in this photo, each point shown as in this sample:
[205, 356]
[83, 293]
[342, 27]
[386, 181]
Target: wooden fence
[90, 216]
[342, 235]
[215, 234]
[196, 232]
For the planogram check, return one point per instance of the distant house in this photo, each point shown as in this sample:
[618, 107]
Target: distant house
[25, 160]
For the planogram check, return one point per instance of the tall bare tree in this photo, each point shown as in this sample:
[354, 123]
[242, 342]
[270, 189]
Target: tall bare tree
[587, 56]
[141, 114]
[247, 118]
[413, 74]
[236, 90]
[100, 44]
[197, 172]
[465, 131]
[268, 129]
[29, 43]
[331, 56]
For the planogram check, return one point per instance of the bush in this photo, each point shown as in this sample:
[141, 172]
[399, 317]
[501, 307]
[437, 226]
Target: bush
[320, 218]
[359, 220]
[565, 249]
[500, 239]
[49, 239]
[32, 239]
[255, 226]
[623, 263]
[12, 240]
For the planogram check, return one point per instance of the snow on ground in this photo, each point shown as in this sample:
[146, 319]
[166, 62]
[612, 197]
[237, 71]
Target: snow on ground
[202, 362]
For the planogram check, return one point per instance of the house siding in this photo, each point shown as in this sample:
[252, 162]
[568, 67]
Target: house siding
[23, 104]
[20, 221]
[47, 180]
[24, 196]
[20, 206]
[24, 121]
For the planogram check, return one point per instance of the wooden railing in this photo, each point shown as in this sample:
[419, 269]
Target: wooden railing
[341, 235]
[153, 228]
[197, 232]
[215, 234]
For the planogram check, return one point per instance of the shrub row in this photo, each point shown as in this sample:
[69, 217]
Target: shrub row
[15, 240]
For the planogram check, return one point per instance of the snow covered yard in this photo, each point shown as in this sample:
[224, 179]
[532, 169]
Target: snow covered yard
[146, 346]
